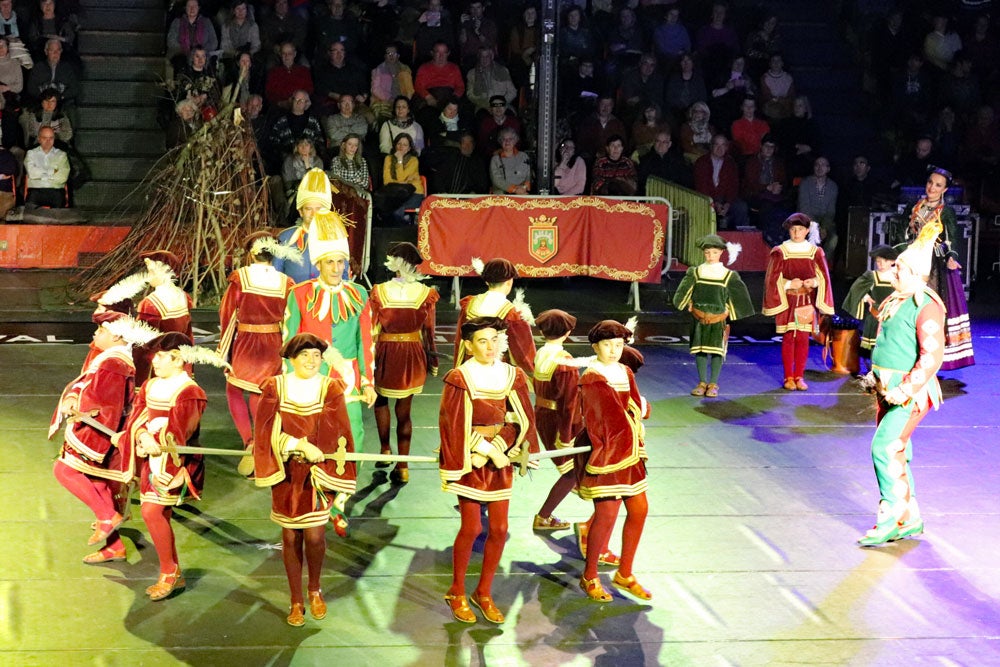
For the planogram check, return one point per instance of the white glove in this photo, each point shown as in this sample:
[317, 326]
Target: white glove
[148, 446]
[478, 460]
[896, 396]
[156, 425]
[309, 451]
[493, 453]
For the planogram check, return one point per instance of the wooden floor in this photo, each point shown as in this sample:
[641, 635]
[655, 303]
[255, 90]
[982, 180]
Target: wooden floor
[756, 499]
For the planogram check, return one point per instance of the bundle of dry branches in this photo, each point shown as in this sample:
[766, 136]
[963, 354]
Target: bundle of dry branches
[205, 198]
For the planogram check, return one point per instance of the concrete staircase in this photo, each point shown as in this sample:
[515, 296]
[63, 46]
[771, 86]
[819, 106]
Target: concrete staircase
[121, 46]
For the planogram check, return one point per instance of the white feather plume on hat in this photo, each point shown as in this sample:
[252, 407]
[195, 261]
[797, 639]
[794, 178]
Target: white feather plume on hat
[132, 331]
[269, 244]
[734, 250]
[522, 307]
[126, 288]
[196, 354]
[406, 271]
[632, 323]
[478, 265]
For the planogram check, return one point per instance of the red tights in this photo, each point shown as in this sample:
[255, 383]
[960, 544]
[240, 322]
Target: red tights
[311, 541]
[241, 413]
[794, 352]
[603, 522]
[560, 490]
[404, 424]
[496, 512]
[95, 494]
[157, 518]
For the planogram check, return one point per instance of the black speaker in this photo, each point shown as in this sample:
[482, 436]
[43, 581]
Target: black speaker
[857, 243]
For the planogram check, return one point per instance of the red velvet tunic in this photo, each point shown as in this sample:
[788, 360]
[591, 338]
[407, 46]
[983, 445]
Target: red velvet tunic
[787, 262]
[521, 344]
[613, 428]
[464, 406]
[298, 488]
[254, 300]
[169, 406]
[556, 383]
[166, 312]
[106, 385]
[403, 308]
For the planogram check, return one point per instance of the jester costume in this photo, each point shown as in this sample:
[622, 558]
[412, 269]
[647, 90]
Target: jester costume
[341, 315]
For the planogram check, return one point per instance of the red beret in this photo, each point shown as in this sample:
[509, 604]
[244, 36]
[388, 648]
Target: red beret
[470, 327]
[800, 219]
[165, 256]
[303, 341]
[555, 323]
[106, 316]
[498, 270]
[406, 251]
[632, 358]
[169, 341]
[609, 329]
[249, 240]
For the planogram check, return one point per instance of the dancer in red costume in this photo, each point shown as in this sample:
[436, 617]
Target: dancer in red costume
[615, 469]
[403, 314]
[168, 409]
[557, 410]
[499, 275]
[796, 285]
[89, 465]
[485, 418]
[302, 417]
[250, 318]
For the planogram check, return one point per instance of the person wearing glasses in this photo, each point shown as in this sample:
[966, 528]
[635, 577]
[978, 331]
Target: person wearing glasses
[390, 79]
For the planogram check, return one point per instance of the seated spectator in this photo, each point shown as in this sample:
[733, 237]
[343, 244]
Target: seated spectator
[295, 165]
[500, 116]
[685, 87]
[239, 32]
[798, 138]
[614, 174]
[455, 170]
[287, 77]
[664, 161]
[576, 42]
[625, 42]
[765, 183]
[337, 77]
[10, 24]
[400, 168]
[941, 44]
[245, 78]
[959, 88]
[818, 200]
[730, 90]
[671, 39]
[199, 82]
[697, 132]
[748, 130]
[294, 124]
[48, 172]
[476, 32]
[336, 24]
[510, 169]
[717, 42]
[54, 73]
[522, 45]
[762, 44]
[570, 174]
[280, 26]
[402, 121]
[911, 96]
[982, 47]
[48, 114]
[594, 130]
[487, 80]
[946, 133]
[11, 76]
[980, 148]
[580, 91]
[435, 26]
[343, 123]
[51, 22]
[862, 188]
[9, 169]
[641, 86]
[911, 170]
[186, 121]
[777, 90]
[391, 79]
[350, 165]
[188, 31]
[252, 111]
[439, 80]
[717, 175]
[647, 127]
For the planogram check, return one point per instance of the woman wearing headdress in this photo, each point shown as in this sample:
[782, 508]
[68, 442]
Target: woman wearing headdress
[713, 294]
[250, 317]
[796, 285]
[302, 418]
[403, 314]
[946, 273]
[167, 412]
[614, 470]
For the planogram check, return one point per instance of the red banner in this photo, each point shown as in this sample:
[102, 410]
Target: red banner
[545, 237]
